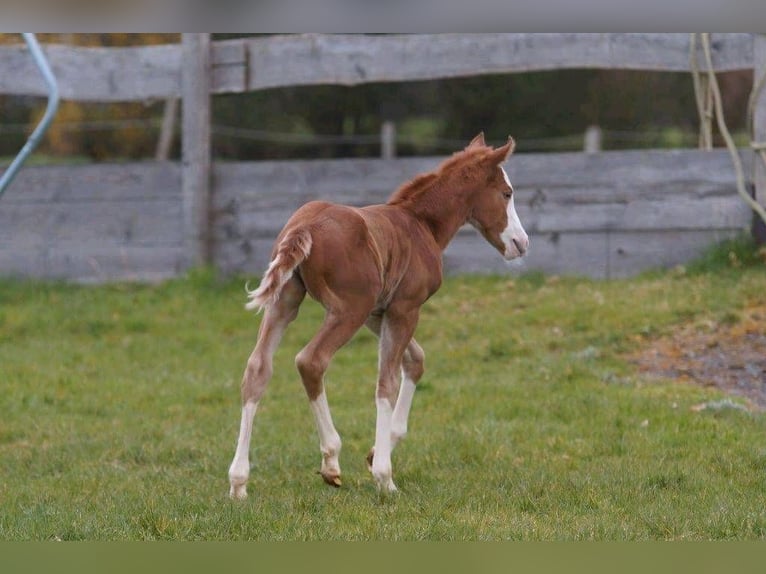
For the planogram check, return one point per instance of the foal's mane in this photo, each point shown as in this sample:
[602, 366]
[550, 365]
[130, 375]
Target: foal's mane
[459, 161]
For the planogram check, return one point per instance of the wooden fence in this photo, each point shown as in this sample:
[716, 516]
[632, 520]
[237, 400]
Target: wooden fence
[604, 215]
[601, 215]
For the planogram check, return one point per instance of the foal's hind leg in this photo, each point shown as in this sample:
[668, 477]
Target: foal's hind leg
[257, 375]
[312, 362]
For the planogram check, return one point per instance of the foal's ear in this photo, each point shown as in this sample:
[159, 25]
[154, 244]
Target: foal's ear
[478, 141]
[501, 154]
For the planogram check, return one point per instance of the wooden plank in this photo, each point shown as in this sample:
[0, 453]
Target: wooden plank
[94, 262]
[632, 252]
[118, 74]
[579, 254]
[599, 255]
[195, 138]
[155, 72]
[98, 262]
[76, 184]
[603, 215]
[678, 210]
[584, 254]
[247, 256]
[555, 192]
[355, 59]
[759, 120]
[344, 179]
[96, 74]
[673, 202]
[624, 172]
[573, 254]
[727, 212]
[93, 222]
[155, 222]
[229, 66]
[167, 130]
[614, 175]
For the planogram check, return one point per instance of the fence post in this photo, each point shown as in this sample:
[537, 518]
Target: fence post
[195, 142]
[759, 135]
[593, 139]
[388, 140]
[167, 131]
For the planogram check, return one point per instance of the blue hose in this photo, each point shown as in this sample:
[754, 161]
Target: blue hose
[50, 111]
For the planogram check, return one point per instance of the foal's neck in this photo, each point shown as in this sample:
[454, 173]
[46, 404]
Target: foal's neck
[441, 206]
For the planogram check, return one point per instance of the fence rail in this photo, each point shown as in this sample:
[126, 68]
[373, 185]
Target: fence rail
[155, 72]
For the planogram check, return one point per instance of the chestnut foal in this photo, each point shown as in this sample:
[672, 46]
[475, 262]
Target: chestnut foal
[372, 266]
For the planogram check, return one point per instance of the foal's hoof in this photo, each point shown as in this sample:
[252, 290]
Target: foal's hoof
[331, 479]
[387, 487]
[238, 491]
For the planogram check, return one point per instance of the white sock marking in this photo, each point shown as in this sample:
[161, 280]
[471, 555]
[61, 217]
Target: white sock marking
[381, 462]
[402, 410]
[239, 470]
[329, 439]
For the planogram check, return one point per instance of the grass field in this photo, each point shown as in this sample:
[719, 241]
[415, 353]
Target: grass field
[120, 409]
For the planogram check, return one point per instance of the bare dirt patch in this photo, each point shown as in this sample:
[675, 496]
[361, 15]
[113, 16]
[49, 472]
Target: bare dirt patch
[729, 355]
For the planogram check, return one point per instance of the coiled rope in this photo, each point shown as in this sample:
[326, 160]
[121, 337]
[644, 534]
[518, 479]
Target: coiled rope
[705, 113]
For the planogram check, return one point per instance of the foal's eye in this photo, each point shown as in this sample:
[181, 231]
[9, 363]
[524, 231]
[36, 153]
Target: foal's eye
[507, 194]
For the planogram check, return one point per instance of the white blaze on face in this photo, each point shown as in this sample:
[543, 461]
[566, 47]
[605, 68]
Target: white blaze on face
[513, 236]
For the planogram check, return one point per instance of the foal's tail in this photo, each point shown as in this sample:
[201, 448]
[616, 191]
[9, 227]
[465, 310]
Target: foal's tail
[291, 252]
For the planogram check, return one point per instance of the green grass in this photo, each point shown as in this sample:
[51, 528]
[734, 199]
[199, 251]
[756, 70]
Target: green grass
[120, 409]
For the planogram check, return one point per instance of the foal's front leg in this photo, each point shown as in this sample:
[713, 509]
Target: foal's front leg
[412, 371]
[396, 332]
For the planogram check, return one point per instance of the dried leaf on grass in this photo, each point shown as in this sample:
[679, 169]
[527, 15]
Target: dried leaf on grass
[729, 354]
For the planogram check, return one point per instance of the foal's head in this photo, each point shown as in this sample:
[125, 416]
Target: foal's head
[492, 209]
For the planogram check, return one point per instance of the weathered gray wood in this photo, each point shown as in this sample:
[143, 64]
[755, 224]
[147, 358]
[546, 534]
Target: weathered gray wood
[137, 182]
[675, 202]
[592, 140]
[155, 72]
[607, 215]
[230, 66]
[167, 130]
[93, 262]
[355, 59]
[388, 140]
[555, 192]
[633, 252]
[122, 222]
[96, 74]
[598, 255]
[614, 175]
[595, 254]
[125, 222]
[566, 253]
[759, 119]
[723, 212]
[196, 172]
[93, 223]
[119, 74]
